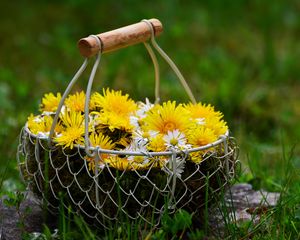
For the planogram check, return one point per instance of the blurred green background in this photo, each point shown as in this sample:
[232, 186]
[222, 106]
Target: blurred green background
[241, 56]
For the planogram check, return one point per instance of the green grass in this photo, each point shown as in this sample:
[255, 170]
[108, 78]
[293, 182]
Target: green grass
[241, 56]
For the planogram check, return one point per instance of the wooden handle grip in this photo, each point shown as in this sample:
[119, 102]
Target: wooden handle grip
[119, 38]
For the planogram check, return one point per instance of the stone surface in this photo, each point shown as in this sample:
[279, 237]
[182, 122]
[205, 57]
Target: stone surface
[242, 204]
[30, 213]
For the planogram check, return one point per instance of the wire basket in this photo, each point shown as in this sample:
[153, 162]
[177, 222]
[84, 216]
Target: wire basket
[63, 177]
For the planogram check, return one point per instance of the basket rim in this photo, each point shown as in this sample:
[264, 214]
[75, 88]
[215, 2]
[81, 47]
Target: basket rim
[99, 150]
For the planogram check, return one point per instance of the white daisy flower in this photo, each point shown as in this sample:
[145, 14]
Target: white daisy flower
[176, 168]
[134, 146]
[142, 137]
[143, 108]
[134, 121]
[142, 160]
[176, 139]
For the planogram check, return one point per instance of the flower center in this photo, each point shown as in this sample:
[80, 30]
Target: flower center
[78, 106]
[169, 126]
[138, 159]
[74, 133]
[202, 142]
[174, 141]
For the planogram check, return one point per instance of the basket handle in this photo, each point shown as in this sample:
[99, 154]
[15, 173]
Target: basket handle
[119, 38]
[113, 40]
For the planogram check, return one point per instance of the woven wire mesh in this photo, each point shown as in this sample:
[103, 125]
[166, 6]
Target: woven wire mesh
[109, 195]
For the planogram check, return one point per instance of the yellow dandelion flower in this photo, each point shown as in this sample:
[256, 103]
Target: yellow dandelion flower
[70, 119]
[104, 142]
[197, 157]
[116, 162]
[123, 164]
[167, 117]
[42, 125]
[138, 159]
[91, 163]
[75, 102]
[50, 102]
[95, 101]
[123, 142]
[199, 111]
[201, 136]
[35, 124]
[48, 120]
[157, 144]
[198, 137]
[73, 132]
[114, 121]
[114, 101]
[69, 137]
[219, 127]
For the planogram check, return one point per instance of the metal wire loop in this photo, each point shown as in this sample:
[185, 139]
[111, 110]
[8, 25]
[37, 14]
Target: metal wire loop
[99, 42]
[66, 93]
[68, 89]
[87, 100]
[170, 62]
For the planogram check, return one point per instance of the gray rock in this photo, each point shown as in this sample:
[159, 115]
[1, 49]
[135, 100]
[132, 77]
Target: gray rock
[30, 214]
[242, 204]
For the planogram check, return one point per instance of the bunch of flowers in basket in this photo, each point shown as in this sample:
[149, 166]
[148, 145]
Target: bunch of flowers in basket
[141, 156]
[116, 122]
